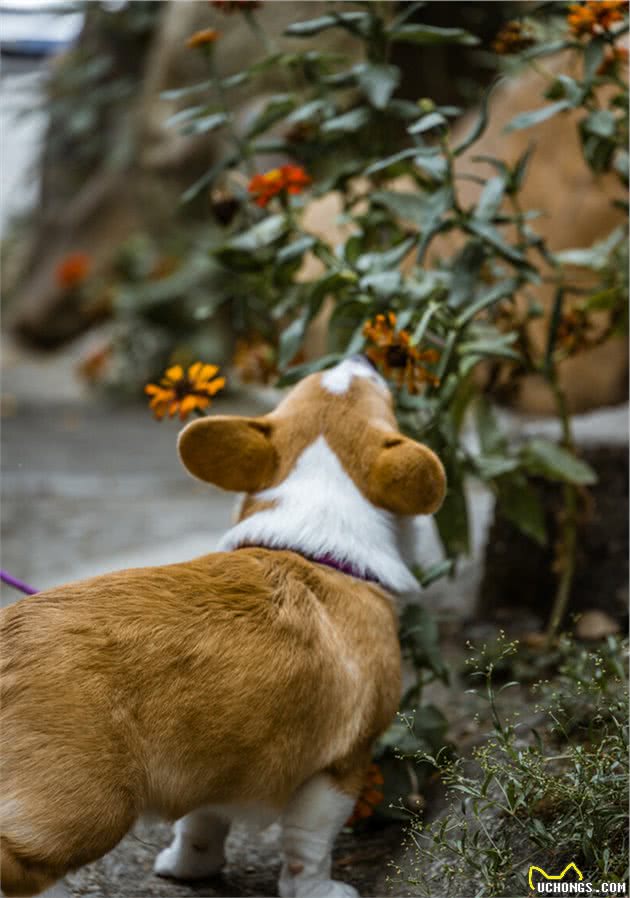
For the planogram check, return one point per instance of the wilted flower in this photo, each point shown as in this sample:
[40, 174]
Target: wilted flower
[203, 38]
[614, 58]
[371, 795]
[184, 392]
[574, 331]
[72, 270]
[512, 38]
[288, 179]
[595, 16]
[94, 364]
[393, 351]
[255, 360]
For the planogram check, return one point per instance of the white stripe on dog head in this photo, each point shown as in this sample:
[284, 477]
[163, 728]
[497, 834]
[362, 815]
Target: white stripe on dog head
[338, 379]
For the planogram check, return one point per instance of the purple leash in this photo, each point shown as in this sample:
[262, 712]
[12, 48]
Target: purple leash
[17, 584]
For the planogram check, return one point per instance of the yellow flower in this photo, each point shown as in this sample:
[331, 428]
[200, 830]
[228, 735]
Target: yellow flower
[184, 392]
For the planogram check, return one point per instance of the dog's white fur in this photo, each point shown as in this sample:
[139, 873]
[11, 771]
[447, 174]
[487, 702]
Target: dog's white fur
[319, 511]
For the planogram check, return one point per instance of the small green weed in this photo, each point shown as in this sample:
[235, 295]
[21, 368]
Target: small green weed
[544, 794]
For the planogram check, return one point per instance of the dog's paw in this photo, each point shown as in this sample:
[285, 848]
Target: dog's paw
[187, 862]
[323, 888]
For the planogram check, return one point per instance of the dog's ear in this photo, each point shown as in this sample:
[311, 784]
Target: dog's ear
[405, 477]
[232, 452]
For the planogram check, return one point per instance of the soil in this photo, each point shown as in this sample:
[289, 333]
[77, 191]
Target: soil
[252, 869]
[518, 574]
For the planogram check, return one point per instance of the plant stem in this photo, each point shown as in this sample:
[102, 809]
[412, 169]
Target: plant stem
[569, 524]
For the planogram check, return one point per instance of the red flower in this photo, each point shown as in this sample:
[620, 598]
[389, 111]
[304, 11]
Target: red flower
[72, 270]
[288, 179]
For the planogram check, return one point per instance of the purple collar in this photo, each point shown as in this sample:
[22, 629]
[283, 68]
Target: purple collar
[344, 567]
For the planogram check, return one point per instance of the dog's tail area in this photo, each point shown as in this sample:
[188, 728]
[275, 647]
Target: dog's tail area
[21, 876]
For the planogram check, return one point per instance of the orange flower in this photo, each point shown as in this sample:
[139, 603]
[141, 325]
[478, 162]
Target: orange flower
[229, 6]
[512, 38]
[288, 179]
[184, 392]
[72, 270]
[393, 351]
[595, 16]
[371, 795]
[203, 38]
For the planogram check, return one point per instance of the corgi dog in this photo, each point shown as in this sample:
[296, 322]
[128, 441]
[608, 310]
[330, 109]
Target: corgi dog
[250, 681]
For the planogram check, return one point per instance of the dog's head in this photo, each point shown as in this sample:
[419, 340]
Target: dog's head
[350, 408]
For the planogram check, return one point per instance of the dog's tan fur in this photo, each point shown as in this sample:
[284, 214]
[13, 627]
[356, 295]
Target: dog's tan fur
[228, 680]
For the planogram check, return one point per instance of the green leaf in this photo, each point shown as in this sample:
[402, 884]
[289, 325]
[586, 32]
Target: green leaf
[480, 125]
[384, 284]
[308, 111]
[597, 256]
[555, 463]
[491, 438]
[260, 235]
[440, 569]
[378, 82]
[348, 20]
[208, 177]
[432, 164]
[277, 108]
[492, 347]
[296, 249]
[488, 298]
[372, 262]
[490, 199]
[492, 236]
[426, 35]
[205, 124]
[349, 122]
[489, 467]
[389, 161]
[593, 57]
[419, 635]
[536, 116]
[452, 518]
[601, 122]
[292, 337]
[422, 209]
[185, 115]
[432, 120]
[520, 503]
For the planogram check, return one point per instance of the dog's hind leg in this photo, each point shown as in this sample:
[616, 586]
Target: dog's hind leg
[310, 825]
[198, 847]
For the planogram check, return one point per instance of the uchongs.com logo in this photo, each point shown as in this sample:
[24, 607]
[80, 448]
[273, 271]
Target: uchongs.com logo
[570, 882]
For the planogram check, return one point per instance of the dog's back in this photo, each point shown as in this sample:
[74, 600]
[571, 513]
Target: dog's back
[287, 679]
